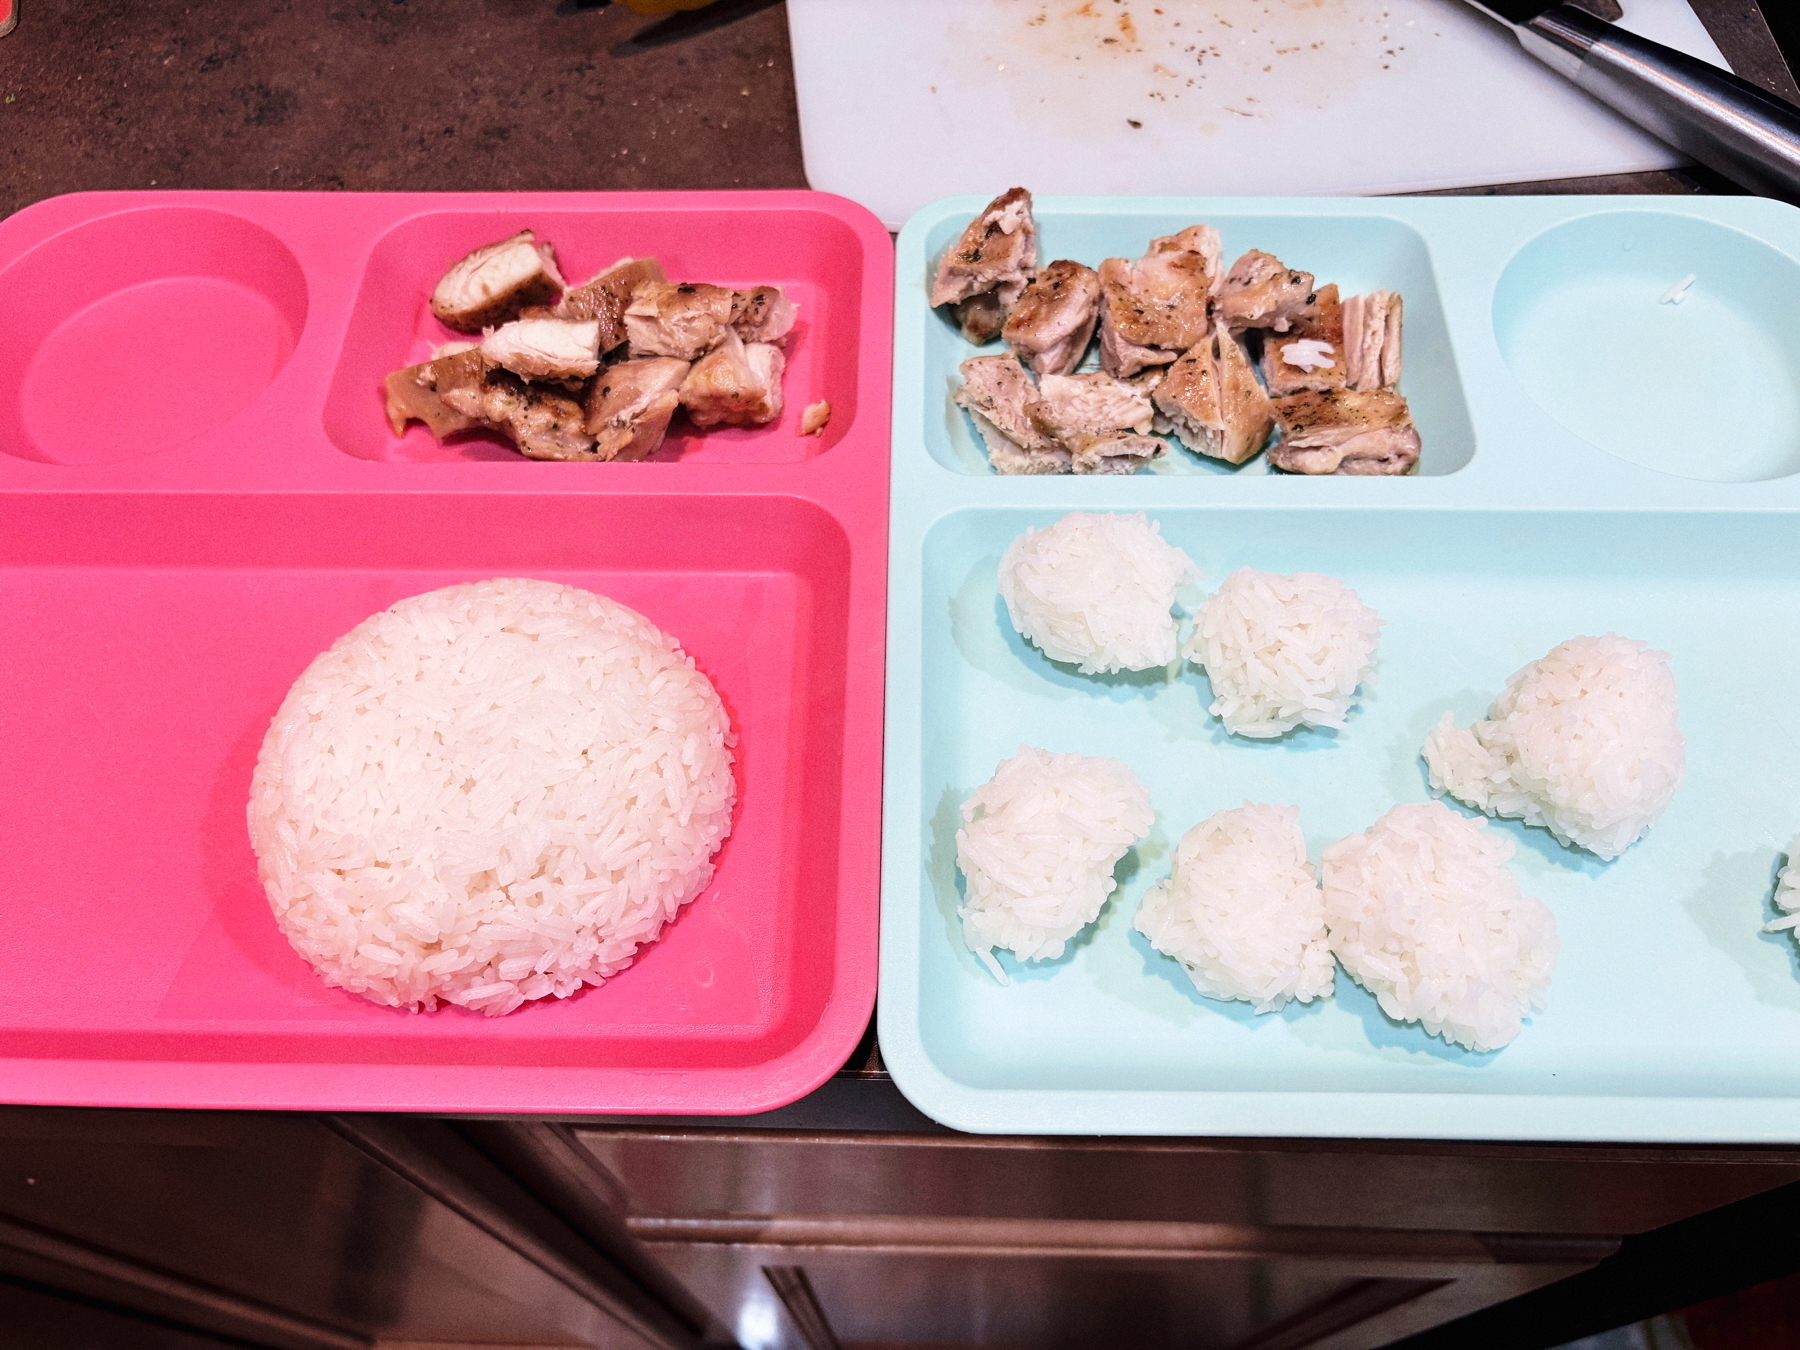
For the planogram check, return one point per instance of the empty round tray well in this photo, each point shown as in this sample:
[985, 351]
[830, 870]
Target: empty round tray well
[1666, 340]
[139, 331]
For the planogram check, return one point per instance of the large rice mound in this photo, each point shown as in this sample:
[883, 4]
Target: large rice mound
[1096, 590]
[490, 793]
[1283, 651]
[1038, 847]
[1242, 912]
[1425, 914]
[1584, 742]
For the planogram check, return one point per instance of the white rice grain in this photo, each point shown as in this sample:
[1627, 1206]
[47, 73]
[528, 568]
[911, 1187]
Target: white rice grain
[1283, 651]
[1584, 742]
[488, 794]
[1096, 590]
[1242, 910]
[1037, 850]
[1425, 914]
[1787, 893]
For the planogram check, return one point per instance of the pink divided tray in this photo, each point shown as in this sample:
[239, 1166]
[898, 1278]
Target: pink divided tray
[199, 493]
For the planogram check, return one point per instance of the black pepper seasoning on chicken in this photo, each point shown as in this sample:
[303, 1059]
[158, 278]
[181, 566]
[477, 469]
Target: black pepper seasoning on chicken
[605, 297]
[1311, 354]
[737, 382]
[1344, 431]
[629, 405]
[1261, 291]
[997, 391]
[492, 284]
[1055, 318]
[983, 274]
[1213, 402]
[1159, 307]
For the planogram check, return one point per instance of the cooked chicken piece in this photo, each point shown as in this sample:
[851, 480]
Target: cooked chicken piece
[684, 321]
[1372, 340]
[815, 418]
[996, 391]
[411, 398]
[543, 421]
[545, 349]
[1073, 408]
[983, 273]
[491, 285]
[629, 405]
[1213, 401]
[1122, 313]
[762, 314]
[605, 297]
[982, 317]
[1310, 355]
[1155, 309]
[1262, 292]
[1118, 454]
[1182, 271]
[1148, 381]
[1343, 431]
[1051, 325]
[737, 382]
[1103, 423]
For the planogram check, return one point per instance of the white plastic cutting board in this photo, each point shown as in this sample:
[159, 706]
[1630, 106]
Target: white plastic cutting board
[905, 101]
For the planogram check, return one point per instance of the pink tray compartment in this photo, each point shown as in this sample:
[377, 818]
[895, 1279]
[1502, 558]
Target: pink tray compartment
[818, 259]
[139, 331]
[160, 604]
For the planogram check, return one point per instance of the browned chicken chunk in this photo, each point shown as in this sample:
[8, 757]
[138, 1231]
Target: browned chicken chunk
[545, 349]
[411, 397]
[1213, 401]
[762, 314]
[997, 391]
[542, 420]
[494, 283]
[1343, 431]
[1103, 423]
[1054, 320]
[737, 382]
[984, 272]
[1124, 454]
[605, 297]
[1372, 340]
[1261, 291]
[629, 405]
[1310, 355]
[1155, 309]
[683, 321]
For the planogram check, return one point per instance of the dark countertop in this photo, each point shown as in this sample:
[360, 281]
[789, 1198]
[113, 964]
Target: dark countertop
[385, 96]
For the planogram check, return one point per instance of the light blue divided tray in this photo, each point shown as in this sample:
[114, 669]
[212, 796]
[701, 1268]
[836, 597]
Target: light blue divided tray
[1534, 337]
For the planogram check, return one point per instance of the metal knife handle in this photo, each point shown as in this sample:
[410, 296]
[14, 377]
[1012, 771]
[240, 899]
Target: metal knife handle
[1728, 124]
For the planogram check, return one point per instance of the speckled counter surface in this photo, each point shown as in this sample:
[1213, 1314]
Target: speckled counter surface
[387, 95]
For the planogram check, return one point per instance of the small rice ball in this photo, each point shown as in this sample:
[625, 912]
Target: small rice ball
[1096, 591]
[1038, 847]
[1283, 651]
[1787, 892]
[1584, 742]
[1242, 910]
[1425, 914]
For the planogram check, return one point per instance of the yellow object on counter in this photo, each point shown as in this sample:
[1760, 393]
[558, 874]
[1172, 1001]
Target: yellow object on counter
[663, 6]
